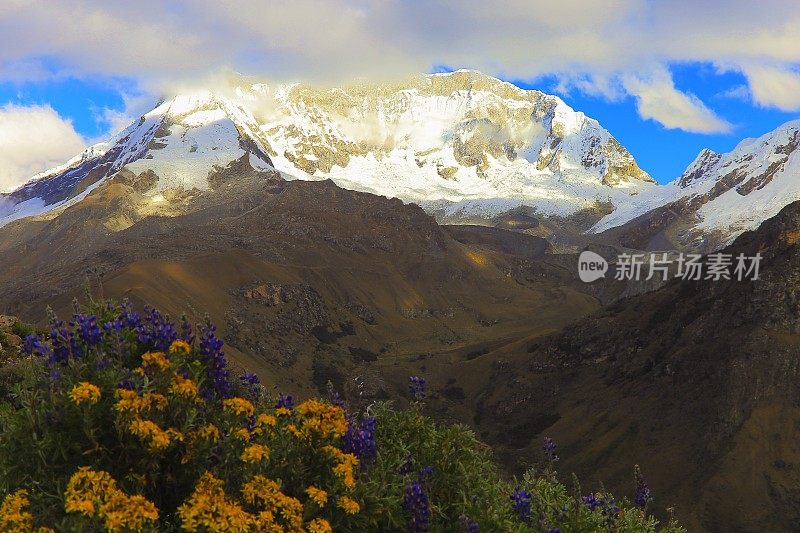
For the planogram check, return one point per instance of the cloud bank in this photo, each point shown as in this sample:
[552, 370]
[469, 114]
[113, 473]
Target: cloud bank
[33, 139]
[615, 48]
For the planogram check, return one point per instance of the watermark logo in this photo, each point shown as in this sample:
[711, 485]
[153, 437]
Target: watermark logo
[591, 266]
[695, 267]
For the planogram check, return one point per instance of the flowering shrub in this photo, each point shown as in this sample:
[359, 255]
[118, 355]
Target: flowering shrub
[126, 422]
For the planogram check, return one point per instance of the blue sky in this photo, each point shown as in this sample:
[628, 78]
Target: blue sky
[667, 78]
[80, 101]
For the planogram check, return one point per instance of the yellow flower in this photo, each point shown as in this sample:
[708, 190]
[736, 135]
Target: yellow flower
[155, 399]
[155, 437]
[209, 509]
[209, 432]
[349, 505]
[255, 453]
[263, 489]
[283, 411]
[291, 510]
[175, 435]
[123, 512]
[156, 360]
[265, 521]
[263, 422]
[87, 490]
[319, 525]
[129, 401]
[183, 387]
[84, 392]
[267, 493]
[239, 406]
[242, 434]
[318, 496]
[180, 346]
[346, 462]
[292, 429]
[322, 419]
[13, 512]
[93, 493]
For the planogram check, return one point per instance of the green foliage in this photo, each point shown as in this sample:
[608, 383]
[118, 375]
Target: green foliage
[117, 412]
[22, 330]
[464, 481]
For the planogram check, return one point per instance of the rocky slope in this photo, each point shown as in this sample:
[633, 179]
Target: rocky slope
[696, 382]
[718, 197]
[461, 144]
[307, 281]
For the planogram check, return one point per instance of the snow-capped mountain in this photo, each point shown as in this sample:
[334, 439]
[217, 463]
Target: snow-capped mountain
[461, 144]
[720, 196]
[182, 141]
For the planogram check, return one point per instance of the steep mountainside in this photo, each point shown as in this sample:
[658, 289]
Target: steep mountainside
[176, 147]
[462, 144]
[307, 281]
[718, 197]
[696, 382]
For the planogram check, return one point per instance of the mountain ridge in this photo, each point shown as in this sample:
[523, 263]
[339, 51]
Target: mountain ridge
[472, 142]
[717, 198]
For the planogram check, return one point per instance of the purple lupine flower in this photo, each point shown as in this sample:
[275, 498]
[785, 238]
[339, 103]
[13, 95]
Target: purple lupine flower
[415, 501]
[187, 331]
[425, 471]
[642, 495]
[55, 374]
[113, 326]
[335, 398]
[205, 392]
[591, 502]
[64, 343]
[611, 510]
[553, 530]
[469, 525]
[359, 438]
[285, 401]
[550, 447]
[34, 345]
[521, 502]
[416, 386]
[215, 361]
[251, 382]
[128, 317]
[87, 329]
[249, 378]
[156, 332]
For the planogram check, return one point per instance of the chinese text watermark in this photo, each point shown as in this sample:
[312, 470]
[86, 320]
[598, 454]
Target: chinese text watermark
[663, 266]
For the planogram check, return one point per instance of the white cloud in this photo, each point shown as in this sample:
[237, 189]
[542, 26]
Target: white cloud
[33, 139]
[113, 121]
[737, 92]
[658, 99]
[774, 86]
[590, 45]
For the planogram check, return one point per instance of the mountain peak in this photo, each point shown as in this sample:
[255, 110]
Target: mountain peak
[465, 139]
[719, 196]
